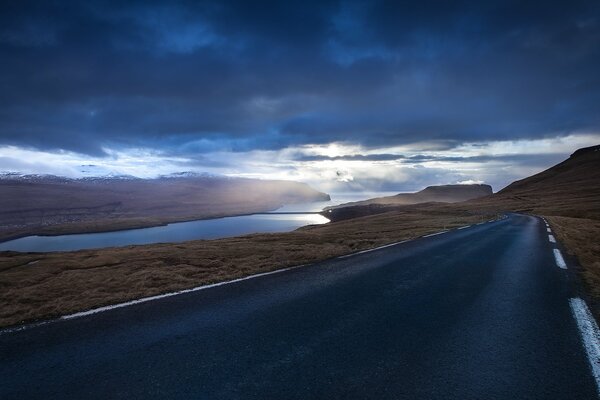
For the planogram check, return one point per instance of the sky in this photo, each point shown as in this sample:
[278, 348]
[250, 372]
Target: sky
[346, 96]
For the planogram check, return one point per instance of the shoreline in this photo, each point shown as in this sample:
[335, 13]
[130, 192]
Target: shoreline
[156, 269]
[134, 226]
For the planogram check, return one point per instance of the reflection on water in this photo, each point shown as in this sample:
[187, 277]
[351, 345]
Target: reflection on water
[177, 232]
[182, 231]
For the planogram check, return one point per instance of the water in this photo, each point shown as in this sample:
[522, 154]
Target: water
[192, 230]
[176, 232]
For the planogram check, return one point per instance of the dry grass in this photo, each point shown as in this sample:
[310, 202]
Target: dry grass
[45, 285]
[581, 237]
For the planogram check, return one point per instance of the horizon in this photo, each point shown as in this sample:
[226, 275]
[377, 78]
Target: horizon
[339, 95]
[96, 171]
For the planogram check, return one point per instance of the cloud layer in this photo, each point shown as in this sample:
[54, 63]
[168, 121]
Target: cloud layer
[352, 95]
[192, 77]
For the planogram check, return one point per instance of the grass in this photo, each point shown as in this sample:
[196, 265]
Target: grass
[581, 237]
[37, 286]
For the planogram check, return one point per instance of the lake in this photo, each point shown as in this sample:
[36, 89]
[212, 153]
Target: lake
[191, 230]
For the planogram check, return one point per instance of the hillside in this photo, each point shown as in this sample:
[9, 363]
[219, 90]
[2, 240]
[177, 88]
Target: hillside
[568, 189]
[441, 193]
[34, 204]
[431, 194]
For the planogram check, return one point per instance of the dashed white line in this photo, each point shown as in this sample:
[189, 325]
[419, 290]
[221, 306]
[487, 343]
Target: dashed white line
[548, 230]
[463, 227]
[590, 335]
[551, 239]
[560, 261]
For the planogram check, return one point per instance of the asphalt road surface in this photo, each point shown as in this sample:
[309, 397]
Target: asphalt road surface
[475, 313]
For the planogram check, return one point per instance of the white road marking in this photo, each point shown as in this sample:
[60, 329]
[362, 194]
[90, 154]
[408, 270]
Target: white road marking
[170, 294]
[590, 335]
[145, 299]
[548, 230]
[560, 261]
[162, 296]
[435, 234]
[551, 239]
[373, 249]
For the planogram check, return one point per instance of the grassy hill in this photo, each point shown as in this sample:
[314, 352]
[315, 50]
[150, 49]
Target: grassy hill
[569, 189]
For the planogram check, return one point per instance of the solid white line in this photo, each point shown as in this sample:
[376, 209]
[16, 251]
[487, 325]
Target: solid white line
[394, 244]
[165, 295]
[548, 230]
[373, 249]
[435, 234]
[590, 335]
[551, 239]
[560, 261]
[195, 289]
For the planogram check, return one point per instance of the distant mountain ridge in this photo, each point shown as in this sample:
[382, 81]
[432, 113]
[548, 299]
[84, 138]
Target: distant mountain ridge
[568, 189]
[38, 204]
[175, 175]
[439, 193]
[431, 194]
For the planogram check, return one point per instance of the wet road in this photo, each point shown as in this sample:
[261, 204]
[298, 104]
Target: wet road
[475, 313]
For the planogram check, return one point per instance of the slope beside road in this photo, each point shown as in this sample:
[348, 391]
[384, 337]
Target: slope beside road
[482, 312]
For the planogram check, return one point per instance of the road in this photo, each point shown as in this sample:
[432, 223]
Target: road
[475, 313]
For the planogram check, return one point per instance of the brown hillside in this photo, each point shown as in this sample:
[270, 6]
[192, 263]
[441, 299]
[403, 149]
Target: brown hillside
[441, 194]
[569, 189]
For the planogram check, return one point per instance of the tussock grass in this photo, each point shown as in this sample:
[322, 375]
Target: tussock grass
[45, 285]
[581, 237]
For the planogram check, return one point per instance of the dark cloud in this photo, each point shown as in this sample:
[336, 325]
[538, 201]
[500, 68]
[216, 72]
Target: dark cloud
[177, 76]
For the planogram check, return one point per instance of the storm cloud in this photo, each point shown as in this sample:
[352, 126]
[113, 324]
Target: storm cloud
[196, 77]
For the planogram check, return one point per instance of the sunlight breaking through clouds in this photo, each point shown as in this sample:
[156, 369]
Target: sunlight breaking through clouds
[335, 167]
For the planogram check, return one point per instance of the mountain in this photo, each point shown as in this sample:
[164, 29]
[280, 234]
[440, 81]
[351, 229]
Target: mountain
[431, 194]
[46, 204]
[441, 193]
[569, 189]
